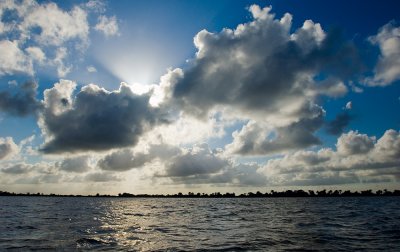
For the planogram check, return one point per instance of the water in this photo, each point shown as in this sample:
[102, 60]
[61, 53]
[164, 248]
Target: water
[229, 224]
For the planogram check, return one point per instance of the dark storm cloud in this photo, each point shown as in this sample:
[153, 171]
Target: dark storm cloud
[339, 124]
[94, 119]
[21, 101]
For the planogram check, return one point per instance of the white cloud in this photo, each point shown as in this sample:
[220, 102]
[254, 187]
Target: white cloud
[387, 69]
[260, 139]
[13, 59]
[349, 105]
[62, 69]
[98, 6]
[57, 26]
[91, 69]
[263, 72]
[107, 25]
[358, 158]
[46, 34]
[36, 53]
[354, 143]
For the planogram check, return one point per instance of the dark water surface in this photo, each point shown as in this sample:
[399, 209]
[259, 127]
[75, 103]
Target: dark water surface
[234, 224]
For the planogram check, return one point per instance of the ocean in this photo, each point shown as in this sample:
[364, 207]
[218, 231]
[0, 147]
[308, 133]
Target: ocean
[200, 224]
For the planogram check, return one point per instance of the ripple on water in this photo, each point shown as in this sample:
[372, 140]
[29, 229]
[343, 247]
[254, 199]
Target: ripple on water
[200, 224]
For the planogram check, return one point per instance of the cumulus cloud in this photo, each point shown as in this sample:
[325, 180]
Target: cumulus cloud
[78, 164]
[358, 158]
[13, 59]
[122, 160]
[94, 119]
[254, 139]
[198, 164]
[126, 159]
[264, 73]
[20, 100]
[196, 161]
[354, 143]
[387, 69]
[107, 25]
[260, 68]
[7, 148]
[56, 26]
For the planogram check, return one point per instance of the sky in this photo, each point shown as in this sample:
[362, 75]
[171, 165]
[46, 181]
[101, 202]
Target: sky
[199, 96]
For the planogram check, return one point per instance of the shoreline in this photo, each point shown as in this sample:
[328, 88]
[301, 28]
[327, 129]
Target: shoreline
[272, 194]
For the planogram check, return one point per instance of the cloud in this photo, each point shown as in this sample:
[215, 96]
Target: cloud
[17, 169]
[94, 119]
[186, 129]
[387, 70]
[196, 161]
[358, 158]
[262, 71]
[36, 54]
[254, 139]
[338, 125]
[349, 105]
[91, 69]
[107, 25]
[98, 6]
[22, 101]
[56, 26]
[45, 35]
[122, 160]
[101, 177]
[126, 159]
[62, 69]
[354, 143]
[198, 164]
[78, 164]
[13, 60]
[7, 148]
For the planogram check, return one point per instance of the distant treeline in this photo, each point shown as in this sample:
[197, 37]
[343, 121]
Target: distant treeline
[258, 194]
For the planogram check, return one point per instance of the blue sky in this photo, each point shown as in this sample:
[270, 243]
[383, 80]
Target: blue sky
[161, 96]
